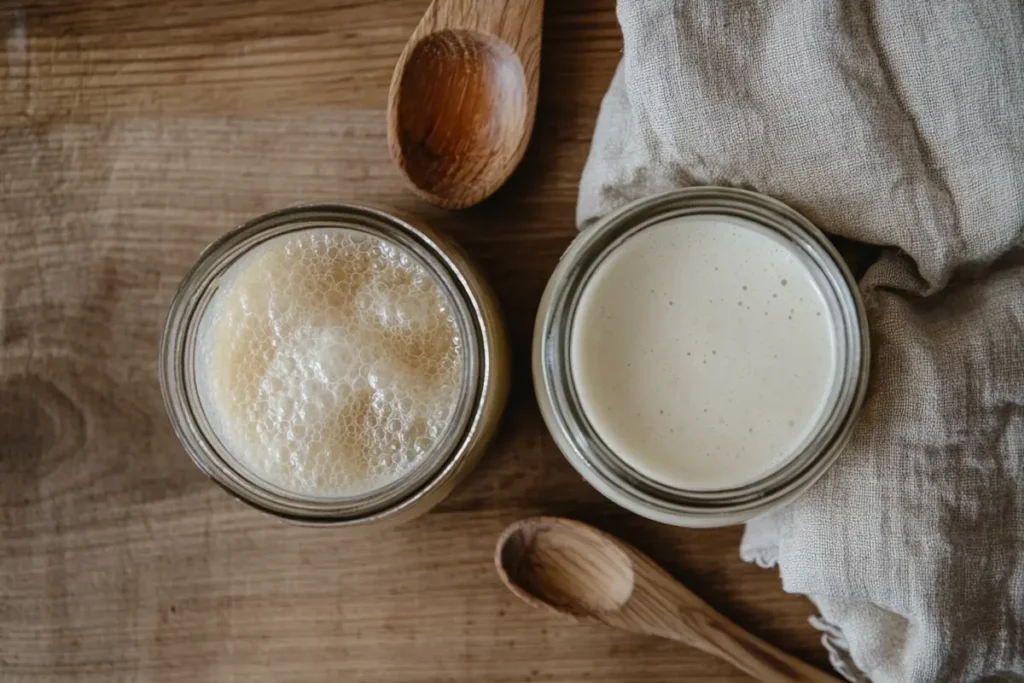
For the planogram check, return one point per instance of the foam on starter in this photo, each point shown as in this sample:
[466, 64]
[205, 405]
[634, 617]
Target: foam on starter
[329, 362]
[703, 351]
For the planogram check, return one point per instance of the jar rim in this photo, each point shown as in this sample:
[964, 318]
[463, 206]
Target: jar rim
[581, 443]
[184, 407]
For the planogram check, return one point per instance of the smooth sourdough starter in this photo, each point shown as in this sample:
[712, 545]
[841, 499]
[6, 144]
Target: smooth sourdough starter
[703, 352]
[329, 362]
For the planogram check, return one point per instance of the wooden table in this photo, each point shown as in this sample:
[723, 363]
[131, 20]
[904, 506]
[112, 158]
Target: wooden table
[131, 135]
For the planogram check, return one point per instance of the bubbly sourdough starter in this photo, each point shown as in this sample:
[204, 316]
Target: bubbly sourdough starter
[329, 362]
[703, 352]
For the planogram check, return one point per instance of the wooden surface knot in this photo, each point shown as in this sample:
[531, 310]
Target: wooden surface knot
[40, 425]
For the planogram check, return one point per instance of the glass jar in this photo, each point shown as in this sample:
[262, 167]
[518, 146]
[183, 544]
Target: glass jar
[580, 442]
[481, 397]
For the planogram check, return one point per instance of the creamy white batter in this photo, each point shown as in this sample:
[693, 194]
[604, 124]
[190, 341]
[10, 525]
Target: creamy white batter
[329, 362]
[703, 351]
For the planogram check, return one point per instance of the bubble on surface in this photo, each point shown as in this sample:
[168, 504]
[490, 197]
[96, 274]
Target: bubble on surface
[329, 362]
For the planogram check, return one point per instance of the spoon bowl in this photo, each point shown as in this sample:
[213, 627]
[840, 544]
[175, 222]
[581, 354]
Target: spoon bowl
[462, 99]
[580, 572]
[531, 561]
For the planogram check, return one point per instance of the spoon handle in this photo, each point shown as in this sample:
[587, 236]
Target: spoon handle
[750, 654]
[672, 611]
[514, 21]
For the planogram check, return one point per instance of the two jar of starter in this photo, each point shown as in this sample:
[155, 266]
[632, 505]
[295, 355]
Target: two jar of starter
[699, 357]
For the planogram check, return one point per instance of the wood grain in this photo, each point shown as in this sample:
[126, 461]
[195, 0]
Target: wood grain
[463, 98]
[131, 135]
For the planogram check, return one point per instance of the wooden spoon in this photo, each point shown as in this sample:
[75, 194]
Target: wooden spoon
[576, 570]
[463, 97]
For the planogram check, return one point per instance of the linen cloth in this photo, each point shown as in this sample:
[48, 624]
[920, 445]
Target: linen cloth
[898, 124]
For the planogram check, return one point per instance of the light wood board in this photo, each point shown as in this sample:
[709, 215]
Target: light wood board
[132, 134]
